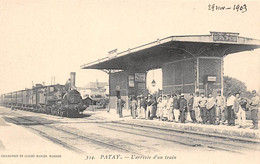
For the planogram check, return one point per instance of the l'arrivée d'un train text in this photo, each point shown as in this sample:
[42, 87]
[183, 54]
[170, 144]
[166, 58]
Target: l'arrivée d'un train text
[141, 157]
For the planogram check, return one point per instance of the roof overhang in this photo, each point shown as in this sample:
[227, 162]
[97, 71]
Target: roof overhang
[155, 54]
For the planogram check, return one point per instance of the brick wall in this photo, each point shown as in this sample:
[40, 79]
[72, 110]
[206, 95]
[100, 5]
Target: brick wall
[210, 66]
[118, 79]
[179, 76]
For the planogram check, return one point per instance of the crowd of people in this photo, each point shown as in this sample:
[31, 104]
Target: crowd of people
[198, 109]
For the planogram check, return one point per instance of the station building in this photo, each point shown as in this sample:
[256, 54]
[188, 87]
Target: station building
[188, 63]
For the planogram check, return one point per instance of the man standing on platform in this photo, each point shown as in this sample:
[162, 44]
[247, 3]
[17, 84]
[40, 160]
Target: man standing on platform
[143, 106]
[196, 106]
[211, 110]
[230, 109]
[134, 107]
[150, 102]
[159, 108]
[183, 107]
[254, 106]
[240, 110]
[138, 107]
[191, 110]
[176, 111]
[203, 107]
[120, 105]
[220, 108]
[170, 108]
[164, 108]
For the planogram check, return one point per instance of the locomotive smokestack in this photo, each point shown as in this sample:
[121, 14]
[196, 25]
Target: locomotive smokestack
[72, 79]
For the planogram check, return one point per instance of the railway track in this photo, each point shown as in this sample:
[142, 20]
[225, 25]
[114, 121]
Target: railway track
[68, 136]
[188, 139]
[64, 135]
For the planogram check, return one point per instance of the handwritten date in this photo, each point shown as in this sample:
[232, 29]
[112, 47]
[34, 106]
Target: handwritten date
[237, 8]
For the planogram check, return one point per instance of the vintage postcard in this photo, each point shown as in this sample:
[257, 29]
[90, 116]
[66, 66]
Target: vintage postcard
[129, 81]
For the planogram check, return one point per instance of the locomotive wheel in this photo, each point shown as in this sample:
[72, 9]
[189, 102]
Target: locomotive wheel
[34, 109]
[44, 109]
[62, 113]
[68, 114]
[48, 110]
[76, 113]
[73, 114]
[57, 112]
[52, 111]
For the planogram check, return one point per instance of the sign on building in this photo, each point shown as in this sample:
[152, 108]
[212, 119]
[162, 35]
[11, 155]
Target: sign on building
[131, 81]
[140, 77]
[225, 36]
[112, 54]
[211, 78]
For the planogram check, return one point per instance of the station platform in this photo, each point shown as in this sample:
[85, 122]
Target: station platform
[230, 132]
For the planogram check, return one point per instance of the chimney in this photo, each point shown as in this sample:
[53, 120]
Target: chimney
[72, 80]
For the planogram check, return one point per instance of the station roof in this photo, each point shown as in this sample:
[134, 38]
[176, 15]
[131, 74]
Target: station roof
[155, 54]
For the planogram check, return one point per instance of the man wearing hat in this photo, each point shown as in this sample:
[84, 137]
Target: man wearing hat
[176, 111]
[191, 110]
[138, 106]
[203, 107]
[211, 110]
[134, 107]
[143, 106]
[230, 109]
[120, 105]
[183, 107]
[164, 106]
[240, 110]
[220, 108]
[159, 108]
[254, 106]
[169, 108]
[196, 106]
[150, 103]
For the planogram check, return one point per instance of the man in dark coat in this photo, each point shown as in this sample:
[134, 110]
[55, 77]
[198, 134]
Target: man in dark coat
[120, 105]
[191, 110]
[134, 107]
[183, 107]
[254, 107]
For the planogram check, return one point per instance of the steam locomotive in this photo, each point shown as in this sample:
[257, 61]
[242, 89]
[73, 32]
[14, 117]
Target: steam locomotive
[60, 100]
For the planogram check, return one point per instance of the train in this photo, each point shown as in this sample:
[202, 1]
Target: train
[59, 100]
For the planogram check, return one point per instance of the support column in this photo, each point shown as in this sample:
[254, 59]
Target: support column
[197, 74]
[222, 76]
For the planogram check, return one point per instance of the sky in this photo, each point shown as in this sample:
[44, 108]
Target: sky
[40, 39]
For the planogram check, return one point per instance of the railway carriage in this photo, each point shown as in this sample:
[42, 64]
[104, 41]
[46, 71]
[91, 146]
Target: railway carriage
[2, 99]
[8, 99]
[19, 98]
[52, 99]
[25, 99]
[13, 99]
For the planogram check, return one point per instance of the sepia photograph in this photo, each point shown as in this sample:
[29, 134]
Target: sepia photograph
[129, 81]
